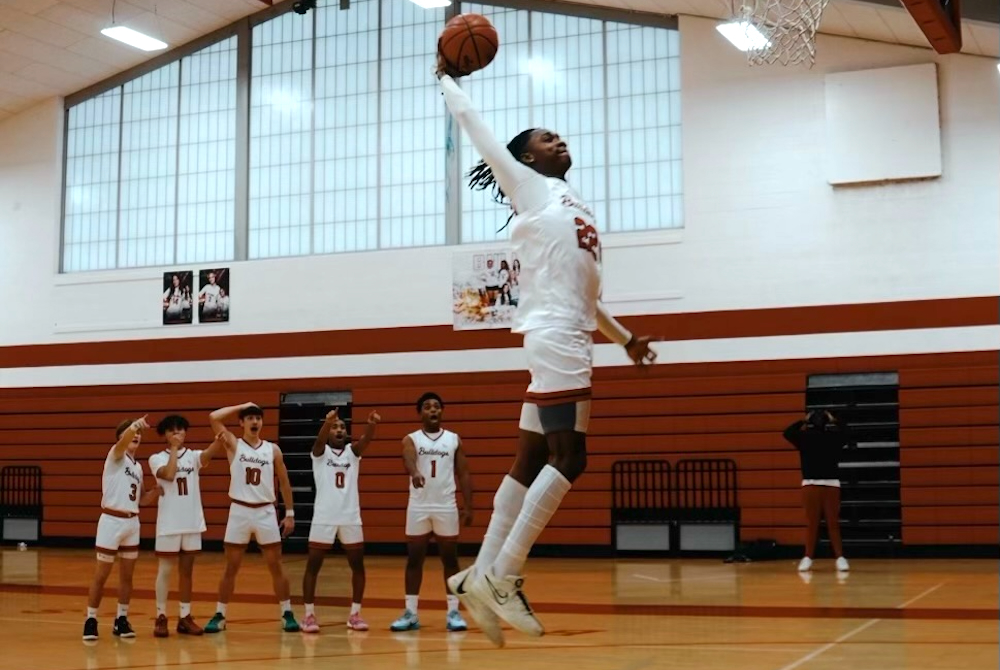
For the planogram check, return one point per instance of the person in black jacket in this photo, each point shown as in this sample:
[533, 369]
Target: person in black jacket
[820, 439]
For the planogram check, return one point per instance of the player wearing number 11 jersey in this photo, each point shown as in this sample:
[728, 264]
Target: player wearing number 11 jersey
[253, 465]
[180, 520]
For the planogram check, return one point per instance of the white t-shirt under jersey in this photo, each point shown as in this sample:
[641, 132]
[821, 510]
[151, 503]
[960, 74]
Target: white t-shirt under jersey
[336, 475]
[179, 509]
[252, 473]
[436, 462]
[121, 484]
[553, 233]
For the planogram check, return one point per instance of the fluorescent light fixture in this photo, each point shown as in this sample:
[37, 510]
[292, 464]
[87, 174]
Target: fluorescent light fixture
[134, 38]
[539, 68]
[431, 4]
[998, 66]
[743, 35]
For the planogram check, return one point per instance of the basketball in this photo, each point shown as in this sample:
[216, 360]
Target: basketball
[468, 43]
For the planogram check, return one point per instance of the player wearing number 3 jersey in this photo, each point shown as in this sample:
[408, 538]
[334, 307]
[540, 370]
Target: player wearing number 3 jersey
[253, 465]
[336, 460]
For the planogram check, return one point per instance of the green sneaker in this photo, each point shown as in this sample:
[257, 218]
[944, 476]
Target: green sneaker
[217, 624]
[289, 624]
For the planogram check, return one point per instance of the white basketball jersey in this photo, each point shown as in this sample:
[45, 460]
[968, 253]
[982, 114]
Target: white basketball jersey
[560, 255]
[436, 462]
[252, 473]
[121, 485]
[179, 508]
[336, 474]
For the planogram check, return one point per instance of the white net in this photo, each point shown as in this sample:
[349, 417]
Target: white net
[779, 31]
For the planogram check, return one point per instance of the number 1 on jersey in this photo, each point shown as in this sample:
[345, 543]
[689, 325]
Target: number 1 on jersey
[434, 468]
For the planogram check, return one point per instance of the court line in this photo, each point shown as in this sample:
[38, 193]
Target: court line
[925, 593]
[757, 611]
[826, 647]
[671, 580]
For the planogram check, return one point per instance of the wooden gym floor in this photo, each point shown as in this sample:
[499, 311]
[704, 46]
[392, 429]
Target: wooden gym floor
[600, 615]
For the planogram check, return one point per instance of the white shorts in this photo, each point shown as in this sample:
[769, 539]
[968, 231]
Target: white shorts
[323, 535]
[443, 523]
[183, 543]
[259, 522]
[560, 361]
[118, 535]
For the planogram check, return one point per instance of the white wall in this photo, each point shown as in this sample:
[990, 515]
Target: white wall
[764, 229]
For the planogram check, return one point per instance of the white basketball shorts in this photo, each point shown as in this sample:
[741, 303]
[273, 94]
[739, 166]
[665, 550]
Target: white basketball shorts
[181, 543]
[443, 523]
[117, 535]
[261, 523]
[323, 535]
[561, 361]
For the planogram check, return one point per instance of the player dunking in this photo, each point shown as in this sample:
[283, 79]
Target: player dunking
[337, 513]
[180, 520]
[118, 527]
[555, 238]
[253, 465]
[434, 459]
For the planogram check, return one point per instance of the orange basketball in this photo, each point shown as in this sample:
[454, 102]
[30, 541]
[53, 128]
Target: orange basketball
[468, 43]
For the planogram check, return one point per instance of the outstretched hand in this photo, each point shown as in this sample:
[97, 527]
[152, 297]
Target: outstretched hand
[443, 68]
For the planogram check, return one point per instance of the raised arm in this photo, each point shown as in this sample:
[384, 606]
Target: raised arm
[464, 478]
[169, 470]
[218, 444]
[319, 446]
[362, 444]
[410, 462]
[126, 437]
[526, 188]
[218, 419]
[793, 434]
[288, 523]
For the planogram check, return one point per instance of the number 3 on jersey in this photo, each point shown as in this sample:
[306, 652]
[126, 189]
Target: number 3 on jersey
[586, 237]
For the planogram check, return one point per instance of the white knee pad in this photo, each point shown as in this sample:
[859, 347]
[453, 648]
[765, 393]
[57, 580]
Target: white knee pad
[105, 558]
[129, 555]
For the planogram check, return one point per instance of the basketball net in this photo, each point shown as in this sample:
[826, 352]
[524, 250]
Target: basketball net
[788, 29]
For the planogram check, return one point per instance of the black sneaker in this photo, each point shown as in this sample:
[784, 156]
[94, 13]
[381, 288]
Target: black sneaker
[122, 628]
[90, 629]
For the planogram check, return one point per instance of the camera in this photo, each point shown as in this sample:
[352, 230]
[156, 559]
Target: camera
[818, 419]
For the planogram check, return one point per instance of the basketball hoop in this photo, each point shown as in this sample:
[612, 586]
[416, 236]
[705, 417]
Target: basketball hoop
[779, 31]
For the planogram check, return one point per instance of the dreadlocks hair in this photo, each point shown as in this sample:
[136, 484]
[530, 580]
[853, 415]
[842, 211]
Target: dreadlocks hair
[481, 175]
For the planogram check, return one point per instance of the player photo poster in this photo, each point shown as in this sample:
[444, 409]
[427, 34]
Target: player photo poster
[484, 289]
[213, 295]
[177, 297]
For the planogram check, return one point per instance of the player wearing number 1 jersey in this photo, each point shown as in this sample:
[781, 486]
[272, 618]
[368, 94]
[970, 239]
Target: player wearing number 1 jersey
[554, 236]
[180, 520]
[434, 459]
[336, 461]
[253, 465]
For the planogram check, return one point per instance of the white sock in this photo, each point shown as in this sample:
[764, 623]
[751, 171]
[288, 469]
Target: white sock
[91, 612]
[411, 603]
[185, 609]
[285, 605]
[122, 609]
[220, 608]
[310, 609]
[540, 503]
[452, 603]
[355, 608]
[162, 586]
[507, 505]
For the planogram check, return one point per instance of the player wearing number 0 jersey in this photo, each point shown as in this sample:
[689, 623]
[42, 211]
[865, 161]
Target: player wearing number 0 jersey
[433, 458]
[554, 236]
[118, 527]
[180, 520]
[336, 460]
[253, 465]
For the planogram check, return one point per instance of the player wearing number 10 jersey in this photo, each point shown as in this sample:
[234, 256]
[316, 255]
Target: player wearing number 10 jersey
[337, 513]
[253, 465]
[180, 520]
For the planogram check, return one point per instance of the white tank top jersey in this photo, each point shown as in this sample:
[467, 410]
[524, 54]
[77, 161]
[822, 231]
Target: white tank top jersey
[436, 462]
[121, 485]
[560, 255]
[179, 508]
[336, 474]
[252, 473]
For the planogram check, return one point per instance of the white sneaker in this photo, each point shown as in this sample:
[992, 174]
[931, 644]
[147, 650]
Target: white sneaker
[806, 564]
[843, 565]
[503, 595]
[480, 613]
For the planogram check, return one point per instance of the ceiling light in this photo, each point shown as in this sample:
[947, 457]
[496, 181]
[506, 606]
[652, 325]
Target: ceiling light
[743, 35]
[134, 38]
[431, 4]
